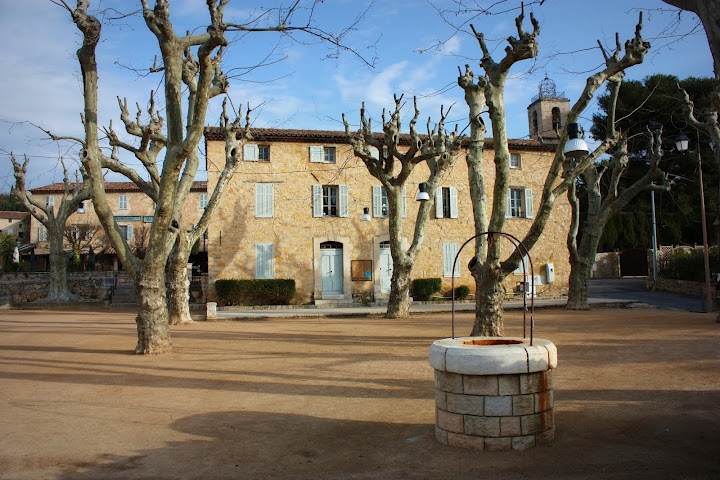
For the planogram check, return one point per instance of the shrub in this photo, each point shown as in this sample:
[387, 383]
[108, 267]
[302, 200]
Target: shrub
[686, 264]
[424, 288]
[255, 292]
[462, 292]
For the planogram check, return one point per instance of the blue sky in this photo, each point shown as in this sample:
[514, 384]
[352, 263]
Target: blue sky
[310, 88]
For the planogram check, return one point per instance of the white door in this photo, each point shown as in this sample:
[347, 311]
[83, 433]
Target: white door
[386, 267]
[331, 262]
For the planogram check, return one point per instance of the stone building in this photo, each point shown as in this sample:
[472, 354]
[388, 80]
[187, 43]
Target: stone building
[133, 211]
[547, 113]
[15, 223]
[294, 209]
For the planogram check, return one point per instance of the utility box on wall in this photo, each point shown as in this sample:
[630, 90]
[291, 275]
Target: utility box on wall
[550, 272]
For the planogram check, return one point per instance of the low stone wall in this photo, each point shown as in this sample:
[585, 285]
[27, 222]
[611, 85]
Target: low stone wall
[31, 286]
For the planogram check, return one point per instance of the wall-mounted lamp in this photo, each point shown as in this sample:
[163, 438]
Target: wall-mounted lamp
[422, 194]
[575, 146]
[366, 214]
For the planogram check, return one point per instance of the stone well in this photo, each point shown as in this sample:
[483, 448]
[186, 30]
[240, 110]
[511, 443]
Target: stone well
[493, 393]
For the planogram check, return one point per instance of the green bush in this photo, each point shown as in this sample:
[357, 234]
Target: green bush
[424, 288]
[255, 292]
[686, 264]
[462, 292]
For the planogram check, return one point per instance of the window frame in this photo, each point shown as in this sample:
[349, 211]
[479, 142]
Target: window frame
[526, 209]
[518, 164]
[264, 261]
[126, 231]
[264, 200]
[318, 201]
[122, 202]
[441, 197]
[202, 201]
[321, 153]
[450, 251]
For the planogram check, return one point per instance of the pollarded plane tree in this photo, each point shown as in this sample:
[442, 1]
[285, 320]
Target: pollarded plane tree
[582, 248]
[392, 164]
[167, 147]
[489, 267]
[53, 218]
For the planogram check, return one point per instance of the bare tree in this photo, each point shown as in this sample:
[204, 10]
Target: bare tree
[189, 63]
[81, 237]
[600, 210]
[388, 160]
[53, 220]
[489, 269]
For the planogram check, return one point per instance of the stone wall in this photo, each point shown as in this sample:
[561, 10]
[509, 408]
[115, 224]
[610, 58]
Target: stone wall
[28, 287]
[607, 265]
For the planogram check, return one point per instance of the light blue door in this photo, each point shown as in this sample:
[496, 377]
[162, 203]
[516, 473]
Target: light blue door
[331, 262]
[386, 267]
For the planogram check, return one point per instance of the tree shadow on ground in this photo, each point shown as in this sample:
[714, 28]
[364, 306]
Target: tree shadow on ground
[591, 443]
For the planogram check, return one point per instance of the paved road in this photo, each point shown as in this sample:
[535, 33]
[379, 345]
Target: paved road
[619, 292]
[634, 289]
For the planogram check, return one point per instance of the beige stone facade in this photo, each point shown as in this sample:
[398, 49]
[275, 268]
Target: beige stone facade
[133, 211]
[15, 223]
[277, 219]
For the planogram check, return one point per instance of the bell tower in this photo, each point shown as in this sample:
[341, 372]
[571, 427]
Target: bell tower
[548, 111]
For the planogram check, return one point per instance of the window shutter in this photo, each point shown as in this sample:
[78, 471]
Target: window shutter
[41, 234]
[316, 154]
[508, 211]
[264, 260]
[453, 203]
[529, 211]
[129, 232]
[438, 203]
[377, 200]
[404, 202]
[264, 200]
[374, 153]
[250, 152]
[449, 252]
[317, 200]
[343, 200]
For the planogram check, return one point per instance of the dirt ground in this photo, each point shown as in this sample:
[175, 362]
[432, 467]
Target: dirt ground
[637, 395]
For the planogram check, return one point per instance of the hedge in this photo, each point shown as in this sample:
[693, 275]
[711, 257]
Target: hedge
[424, 288]
[255, 292]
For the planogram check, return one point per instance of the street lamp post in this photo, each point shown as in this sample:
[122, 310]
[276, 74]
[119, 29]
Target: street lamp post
[681, 142]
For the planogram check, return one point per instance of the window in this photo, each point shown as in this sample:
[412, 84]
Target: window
[322, 154]
[450, 250]
[21, 235]
[256, 153]
[380, 202]
[264, 153]
[330, 201]
[535, 123]
[556, 122]
[202, 202]
[264, 200]
[514, 160]
[42, 234]
[519, 203]
[446, 205]
[81, 207]
[122, 202]
[49, 201]
[126, 231]
[264, 260]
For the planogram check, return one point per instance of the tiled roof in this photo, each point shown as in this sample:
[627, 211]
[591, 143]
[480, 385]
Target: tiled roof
[333, 136]
[113, 187]
[12, 214]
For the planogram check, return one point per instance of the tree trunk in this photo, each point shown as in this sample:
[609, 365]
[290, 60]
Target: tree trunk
[489, 298]
[178, 290]
[152, 324]
[399, 299]
[580, 272]
[58, 290]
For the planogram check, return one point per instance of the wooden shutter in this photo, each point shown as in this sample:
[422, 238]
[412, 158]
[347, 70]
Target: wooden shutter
[250, 152]
[264, 201]
[529, 210]
[317, 200]
[449, 252]
[438, 203]
[508, 210]
[343, 192]
[453, 203]
[317, 154]
[264, 260]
